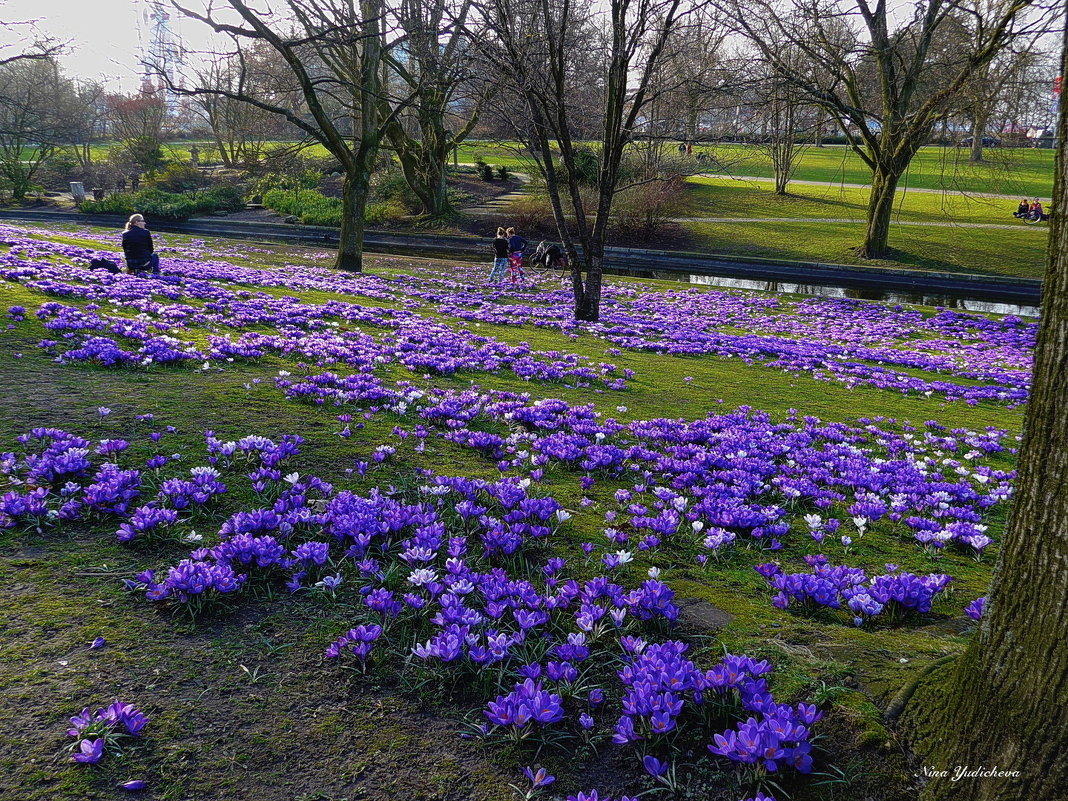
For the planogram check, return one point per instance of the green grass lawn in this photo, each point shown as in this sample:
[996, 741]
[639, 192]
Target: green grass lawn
[1020, 254]
[243, 707]
[717, 197]
[1010, 171]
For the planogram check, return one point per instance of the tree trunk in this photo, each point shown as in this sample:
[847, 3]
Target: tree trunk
[978, 132]
[1006, 701]
[423, 165]
[353, 208]
[224, 153]
[438, 204]
[588, 292]
[880, 208]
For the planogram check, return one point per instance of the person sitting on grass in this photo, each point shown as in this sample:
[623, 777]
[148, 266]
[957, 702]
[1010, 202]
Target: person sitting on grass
[1036, 212]
[137, 246]
[1023, 209]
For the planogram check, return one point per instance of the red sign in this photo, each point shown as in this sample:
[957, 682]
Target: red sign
[1057, 84]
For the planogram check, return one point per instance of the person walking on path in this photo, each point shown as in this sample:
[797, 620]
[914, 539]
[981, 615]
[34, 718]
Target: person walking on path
[500, 257]
[516, 246]
[137, 246]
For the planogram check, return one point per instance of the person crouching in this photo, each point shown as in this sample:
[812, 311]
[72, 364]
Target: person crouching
[137, 246]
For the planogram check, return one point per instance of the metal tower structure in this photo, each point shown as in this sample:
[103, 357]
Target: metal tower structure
[161, 50]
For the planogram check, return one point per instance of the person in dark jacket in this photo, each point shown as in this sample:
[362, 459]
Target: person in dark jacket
[500, 257]
[137, 246]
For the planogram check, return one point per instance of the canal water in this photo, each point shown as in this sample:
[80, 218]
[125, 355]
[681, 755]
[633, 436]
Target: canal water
[947, 301]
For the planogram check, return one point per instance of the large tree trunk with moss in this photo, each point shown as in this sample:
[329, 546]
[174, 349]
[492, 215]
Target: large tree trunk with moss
[423, 164]
[1006, 701]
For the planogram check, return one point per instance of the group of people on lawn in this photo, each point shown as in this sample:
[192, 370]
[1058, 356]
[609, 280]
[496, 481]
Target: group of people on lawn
[509, 256]
[508, 247]
[1030, 210]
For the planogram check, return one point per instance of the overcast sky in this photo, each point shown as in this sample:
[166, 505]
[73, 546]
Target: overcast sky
[102, 34]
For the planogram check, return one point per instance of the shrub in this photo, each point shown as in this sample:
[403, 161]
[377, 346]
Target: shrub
[305, 179]
[391, 187]
[171, 205]
[145, 152]
[485, 172]
[587, 165]
[388, 211]
[532, 212]
[312, 207]
[178, 177]
[642, 211]
[502, 173]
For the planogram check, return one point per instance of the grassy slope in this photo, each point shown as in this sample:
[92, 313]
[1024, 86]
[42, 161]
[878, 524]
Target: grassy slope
[1018, 252]
[295, 728]
[717, 197]
[1008, 171]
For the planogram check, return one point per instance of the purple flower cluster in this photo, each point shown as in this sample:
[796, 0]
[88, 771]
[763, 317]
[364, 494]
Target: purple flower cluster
[457, 565]
[357, 641]
[93, 731]
[529, 703]
[850, 588]
[831, 339]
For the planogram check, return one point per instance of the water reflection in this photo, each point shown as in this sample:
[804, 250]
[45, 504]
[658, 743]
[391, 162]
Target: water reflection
[949, 302]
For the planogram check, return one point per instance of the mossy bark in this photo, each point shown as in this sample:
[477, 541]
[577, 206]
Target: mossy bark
[1004, 704]
[354, 193]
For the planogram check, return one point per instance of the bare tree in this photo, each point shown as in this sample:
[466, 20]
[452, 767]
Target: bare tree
[241, 130]
[983, 92]
[1002, 704]
[691, 74]
[534, 46]
[432, 58]
[29, 90]
[82, 112]
[334, 53]
[886, 83]
[138, 122]
[31, 44]
[781, 114]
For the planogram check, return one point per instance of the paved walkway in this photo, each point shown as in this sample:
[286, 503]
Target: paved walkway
[501, 203]
[947, 190]
[927, 224]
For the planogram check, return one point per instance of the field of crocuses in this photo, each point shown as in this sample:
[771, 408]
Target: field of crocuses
[270, 531]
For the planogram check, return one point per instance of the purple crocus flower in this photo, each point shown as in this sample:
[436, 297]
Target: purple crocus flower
[539, 777]
[654, 766]
[90, 751]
